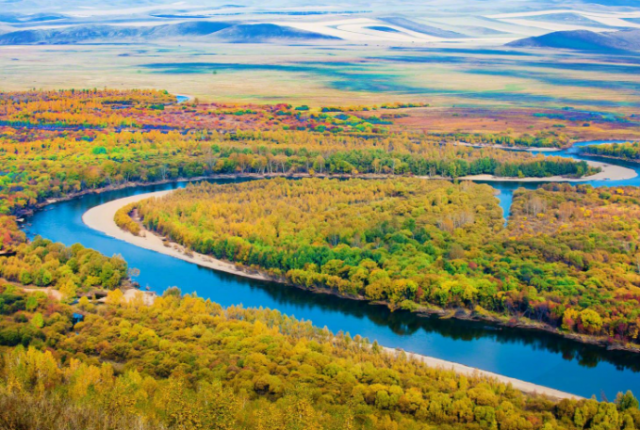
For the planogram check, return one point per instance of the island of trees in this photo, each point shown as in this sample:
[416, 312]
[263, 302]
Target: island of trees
[542, 139]
[624, 151]
[568, 258]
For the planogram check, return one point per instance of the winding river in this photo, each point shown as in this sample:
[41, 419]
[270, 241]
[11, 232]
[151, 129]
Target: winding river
[537, 357]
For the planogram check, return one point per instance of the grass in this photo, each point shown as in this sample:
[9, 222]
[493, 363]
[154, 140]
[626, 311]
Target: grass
[345, 74]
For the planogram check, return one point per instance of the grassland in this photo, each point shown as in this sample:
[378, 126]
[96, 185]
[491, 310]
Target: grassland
[340, 74]
[468, 90]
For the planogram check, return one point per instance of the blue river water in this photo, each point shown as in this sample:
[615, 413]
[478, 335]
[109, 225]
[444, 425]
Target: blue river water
[533, 356]
[506, 189]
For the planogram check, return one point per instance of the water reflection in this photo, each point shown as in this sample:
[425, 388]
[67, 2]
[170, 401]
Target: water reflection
[403, 323]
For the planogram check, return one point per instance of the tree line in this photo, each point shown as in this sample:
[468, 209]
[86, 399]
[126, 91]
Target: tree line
[625, 151]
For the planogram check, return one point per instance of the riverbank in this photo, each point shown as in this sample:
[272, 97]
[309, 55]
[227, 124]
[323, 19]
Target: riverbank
[510, 148]
[611, 157]
[27, 211]
[461, 369]
[101, 218]
[609, 172]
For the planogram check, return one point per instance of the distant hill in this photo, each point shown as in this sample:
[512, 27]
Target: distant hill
[43, 17]
[421, 28]
[68, 35]
[567, 18]
[482, 31]
[383, 28]
[584, 40]
[9, 17]
[254, 33]
[35, 18]
[197, 28]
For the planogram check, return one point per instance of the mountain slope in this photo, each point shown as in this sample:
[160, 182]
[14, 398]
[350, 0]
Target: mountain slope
[421, 28]
[35, 18]
[584, 40]
[257, 33]
[568, 18]
[68, 35]
[193, 30]
[197, 28]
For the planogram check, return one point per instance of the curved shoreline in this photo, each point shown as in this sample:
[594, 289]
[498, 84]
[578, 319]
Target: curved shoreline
[511, 148]
[101, 218]
[611, 157]
[610, 172]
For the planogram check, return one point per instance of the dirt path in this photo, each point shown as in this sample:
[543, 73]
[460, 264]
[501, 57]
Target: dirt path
[54, 294]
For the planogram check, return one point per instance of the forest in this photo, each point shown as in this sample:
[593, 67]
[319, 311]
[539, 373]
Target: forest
[40, 263]
[186, 363]
[59, 144]
[40, 170]
[541, 139]
[567, 258]
[72, 270]
[624, 151]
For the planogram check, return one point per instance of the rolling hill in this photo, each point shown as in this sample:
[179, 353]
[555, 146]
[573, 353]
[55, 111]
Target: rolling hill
[248, 33]
[257, 33]
[33, 18]
[573, 19]
[584, 40]
[421, 28]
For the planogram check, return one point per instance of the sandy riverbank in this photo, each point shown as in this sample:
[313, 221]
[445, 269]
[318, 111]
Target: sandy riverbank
[132, 294]
[610, 172]
[101, 218]
[461, 369]
[509, 148]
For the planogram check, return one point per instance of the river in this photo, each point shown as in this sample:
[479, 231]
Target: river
[532, 356]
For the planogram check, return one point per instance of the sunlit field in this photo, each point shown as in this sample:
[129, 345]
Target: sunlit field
[337, 74]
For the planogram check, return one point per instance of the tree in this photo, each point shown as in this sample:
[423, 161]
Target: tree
[591, 321]
[626, 401]
[37, 320]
